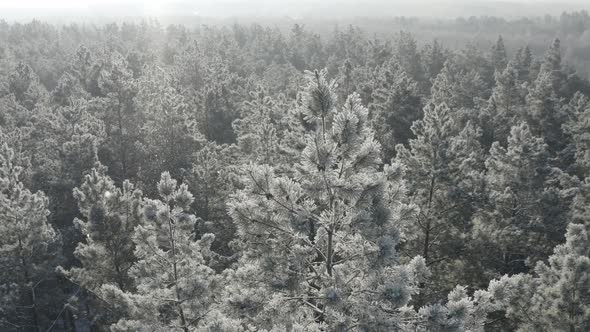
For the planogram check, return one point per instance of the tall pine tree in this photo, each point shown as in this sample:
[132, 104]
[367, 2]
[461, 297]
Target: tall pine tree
[175, 289]
[29, 249]
[319, 246]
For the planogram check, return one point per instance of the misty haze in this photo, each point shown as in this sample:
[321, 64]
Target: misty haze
[294, 165]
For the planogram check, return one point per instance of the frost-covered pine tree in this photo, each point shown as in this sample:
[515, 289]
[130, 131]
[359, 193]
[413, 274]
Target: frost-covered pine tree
[85, 70]
[24, 84]
[29, 248]
[265, 128]
[505, 106]
[552, 64]
[210, 88]
[555, 296]
[458, 87]
[443, 171]
[175, 289]
[498, 55]
[68, 89]
[525, 217]
[345, 80]
[395, 105]
[523, 59]
[577, 127]
[108, 217]
[445, 86]
[115, 89]
[169, 135]
[544, 110]
[212, 181]
[71, 137]
[406, 54]
[460, 312]
[319, 245]
[353, 77]
[433, 56]
[256, 130]
[61, 145]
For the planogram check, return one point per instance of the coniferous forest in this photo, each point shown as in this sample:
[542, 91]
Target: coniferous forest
[245, 177]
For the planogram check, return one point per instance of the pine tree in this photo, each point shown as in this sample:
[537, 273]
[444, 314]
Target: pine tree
[443, 170]
[461, 312]
[525, 218]
[17, 129]
[24, 84]
[504, 108]
[544, 111]
[67, 140]
[218, 106]
[472, 59]
[434, 57]
[396, 105]
[407, 55]
[115, 107]
[175, 289]
[282, 78]
[445, 87]
[523, 61]
[345, 80]
[212, 180]
[499, 58]
[552, 61]
[68, 89]
[29, 248]
[577, 127]
[457, 87]
[85, 70]
[169, 135]
[211, 89]
[319, 245]
[261, 128]
[109, 216]
[360, 78]
[548, 104]
[555, 297]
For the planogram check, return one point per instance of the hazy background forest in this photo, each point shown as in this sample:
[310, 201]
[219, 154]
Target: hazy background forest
[256, 166]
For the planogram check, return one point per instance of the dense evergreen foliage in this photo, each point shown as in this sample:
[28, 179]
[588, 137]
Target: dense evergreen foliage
[242, 178]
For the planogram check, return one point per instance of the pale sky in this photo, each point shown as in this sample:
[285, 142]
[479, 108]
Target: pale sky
[158, 4]
[149, 6]
[16, 8]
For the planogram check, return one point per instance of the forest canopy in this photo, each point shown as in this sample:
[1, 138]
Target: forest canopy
[258, 177]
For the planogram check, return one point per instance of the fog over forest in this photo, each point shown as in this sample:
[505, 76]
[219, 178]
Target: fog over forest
[266, 166]
[300, 9]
